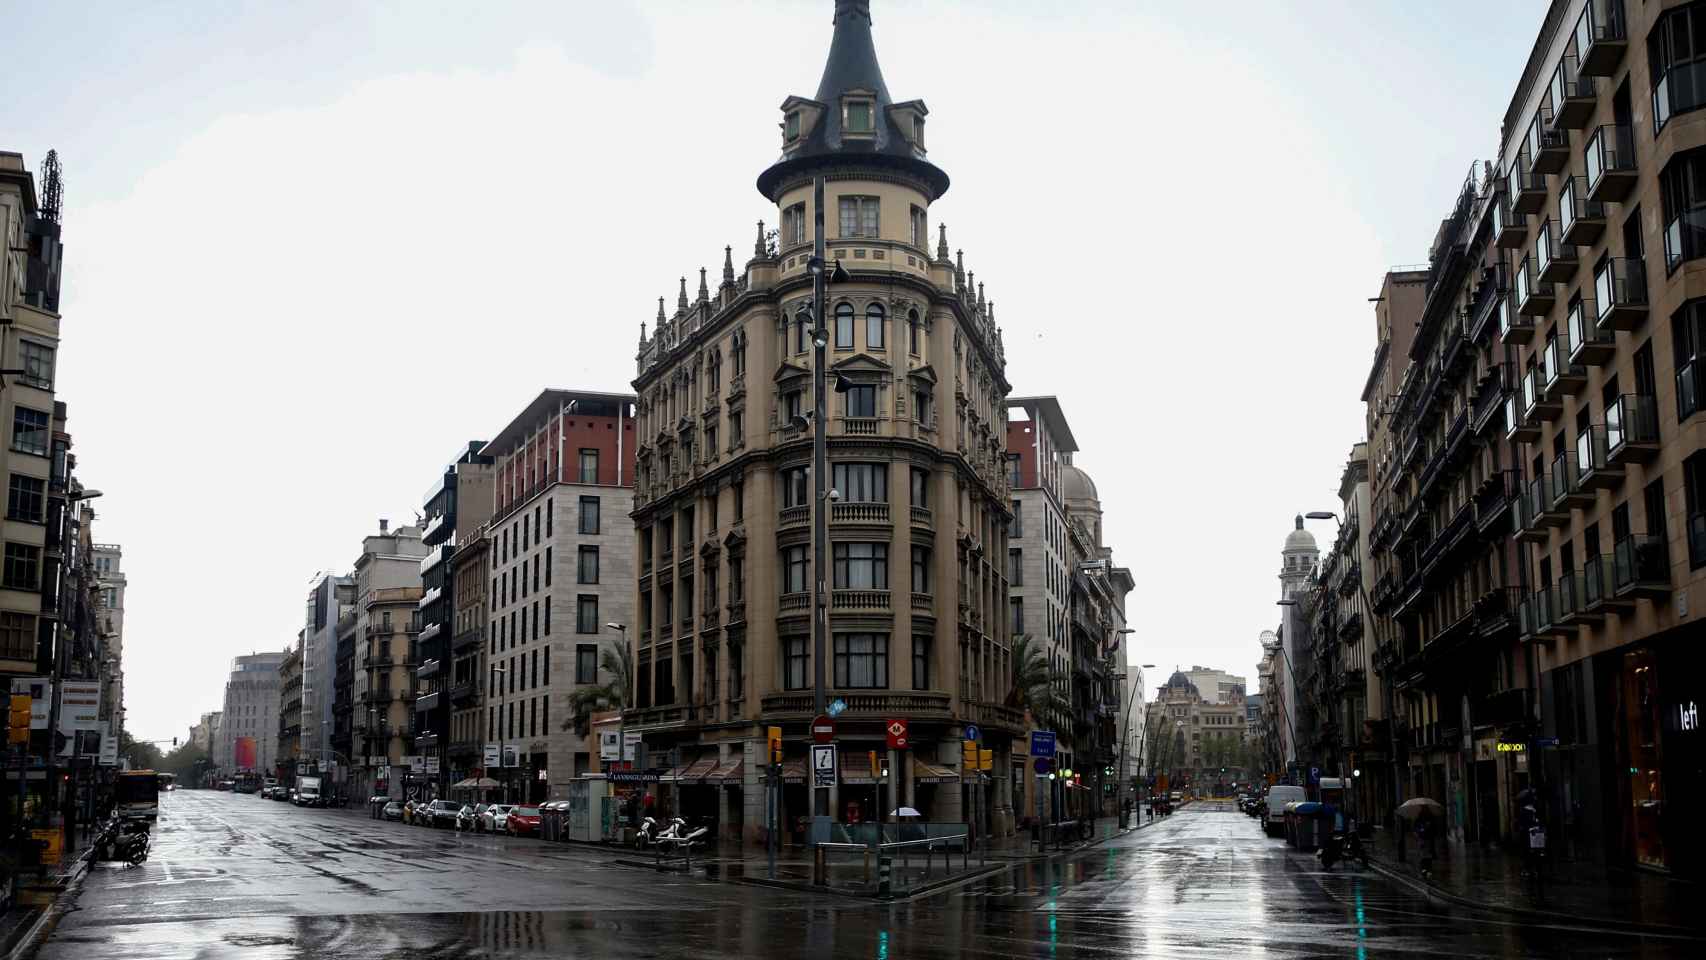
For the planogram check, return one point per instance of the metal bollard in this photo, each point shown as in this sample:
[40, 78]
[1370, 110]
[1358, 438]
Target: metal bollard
[884, 883]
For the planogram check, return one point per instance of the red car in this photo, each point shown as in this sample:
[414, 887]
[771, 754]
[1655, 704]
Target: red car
[522, 822]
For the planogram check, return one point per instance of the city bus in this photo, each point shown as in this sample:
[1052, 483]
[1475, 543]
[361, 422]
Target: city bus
[136, 795]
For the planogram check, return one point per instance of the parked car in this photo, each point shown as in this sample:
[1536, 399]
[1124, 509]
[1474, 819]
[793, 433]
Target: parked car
[1273, 807]
[522, 822]
[393, 811]
[468, 818]
[491, 820]
[442, 813]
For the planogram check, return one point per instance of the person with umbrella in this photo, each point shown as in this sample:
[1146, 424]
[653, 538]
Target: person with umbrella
[1423, 811]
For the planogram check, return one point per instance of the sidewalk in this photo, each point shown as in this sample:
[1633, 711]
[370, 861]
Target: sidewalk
[1492, 878]
[35, 898]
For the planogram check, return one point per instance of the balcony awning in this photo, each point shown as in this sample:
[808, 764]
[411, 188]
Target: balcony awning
[730, 773]
[923, 771]
[700, 769]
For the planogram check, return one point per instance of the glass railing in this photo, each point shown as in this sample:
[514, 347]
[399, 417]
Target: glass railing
[1685, 236]
[1600, 20]
[1639, 558]
[1541, 136]
[1573, 204]
[1547, 247]
[1567, 598]
[1619, 282]
[1590, 450]
[1569, 84]
[1610, 149]
[1688, 390]
[1631, 418]
[1564, 477]
[1524, 280]
[1512, 415]
[1574, 328]
[1549, 365]
[1537, 500]
[1530, 390]
[1681, 88]
[1596, 581]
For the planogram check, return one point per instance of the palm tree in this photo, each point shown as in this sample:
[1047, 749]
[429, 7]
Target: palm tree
[616, 664]
[1036, 684]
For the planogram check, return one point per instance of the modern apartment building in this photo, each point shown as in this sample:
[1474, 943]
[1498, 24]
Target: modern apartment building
[1039, 585]
[456, 506]
[330, 597]
[384, 657]
[724, 502]
[1537, 482]
[561, 567]
[248, 728]
[288, 754]
[109, 581]
[1215, 686]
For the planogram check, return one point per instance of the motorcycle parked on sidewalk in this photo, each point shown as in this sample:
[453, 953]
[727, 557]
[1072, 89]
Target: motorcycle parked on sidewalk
[122, 841]
[647, 834]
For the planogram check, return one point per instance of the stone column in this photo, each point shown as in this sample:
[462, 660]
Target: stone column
[724, 812]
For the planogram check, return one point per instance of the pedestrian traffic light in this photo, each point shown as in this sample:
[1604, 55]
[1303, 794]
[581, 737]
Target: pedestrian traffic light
[18, 719]
[773, 735]
[876, 771]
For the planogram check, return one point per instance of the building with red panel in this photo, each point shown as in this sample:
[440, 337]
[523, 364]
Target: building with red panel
[560, 552]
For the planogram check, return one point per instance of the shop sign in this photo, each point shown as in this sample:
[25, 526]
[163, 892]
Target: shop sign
[1506, 746]
[632, 776]
[1687, 717]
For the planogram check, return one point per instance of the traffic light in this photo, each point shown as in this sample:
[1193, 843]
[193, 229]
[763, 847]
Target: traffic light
[18, 719]
[968, 754]
[773, 735]
[876, 770]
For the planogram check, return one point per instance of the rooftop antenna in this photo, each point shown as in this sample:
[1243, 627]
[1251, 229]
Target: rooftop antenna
[52, 187]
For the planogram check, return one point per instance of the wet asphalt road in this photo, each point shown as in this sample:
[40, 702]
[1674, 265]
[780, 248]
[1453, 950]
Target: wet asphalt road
[236, 876]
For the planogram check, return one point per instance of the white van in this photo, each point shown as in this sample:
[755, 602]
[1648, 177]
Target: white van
[1273, 808]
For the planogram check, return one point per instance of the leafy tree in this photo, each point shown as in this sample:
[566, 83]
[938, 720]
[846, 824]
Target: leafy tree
[143, 756]
[186, 761]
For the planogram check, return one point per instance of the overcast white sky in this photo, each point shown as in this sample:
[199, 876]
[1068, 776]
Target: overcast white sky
[311, 248]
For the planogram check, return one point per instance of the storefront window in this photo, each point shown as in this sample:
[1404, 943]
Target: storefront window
[1641, 716]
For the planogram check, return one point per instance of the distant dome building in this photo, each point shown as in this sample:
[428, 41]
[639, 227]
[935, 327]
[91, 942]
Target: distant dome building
[1298, 560]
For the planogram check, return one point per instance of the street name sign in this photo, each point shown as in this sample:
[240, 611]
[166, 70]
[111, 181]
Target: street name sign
[1042, 743]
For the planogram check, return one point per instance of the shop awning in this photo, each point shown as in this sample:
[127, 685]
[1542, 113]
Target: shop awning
[923, 771]
[794, 771]
[699, 770]
[672, 774]
[731, 773]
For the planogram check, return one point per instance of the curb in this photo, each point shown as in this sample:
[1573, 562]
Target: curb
[1433, 892]
[922, 891]
[32, 938]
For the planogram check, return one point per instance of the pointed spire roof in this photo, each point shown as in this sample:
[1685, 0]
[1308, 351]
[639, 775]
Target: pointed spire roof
[852, 66]
[728, 265]
[704, 291]
[681, 298]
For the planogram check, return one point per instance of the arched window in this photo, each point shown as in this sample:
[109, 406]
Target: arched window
[912, 331]
[844, 326]
[800, 323]
[875, 321]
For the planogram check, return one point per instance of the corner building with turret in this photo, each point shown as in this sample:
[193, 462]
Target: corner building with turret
[916, 444]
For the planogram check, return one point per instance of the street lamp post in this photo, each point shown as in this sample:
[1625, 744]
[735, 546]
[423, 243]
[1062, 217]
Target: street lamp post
[501, 670]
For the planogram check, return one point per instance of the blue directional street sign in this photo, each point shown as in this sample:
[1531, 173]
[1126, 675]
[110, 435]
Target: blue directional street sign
[836, 706]
[972, 732]
[1042, 743]
[1546, 741]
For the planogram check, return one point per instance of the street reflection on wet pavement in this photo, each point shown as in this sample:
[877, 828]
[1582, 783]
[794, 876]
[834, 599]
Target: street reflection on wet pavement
[238, 876]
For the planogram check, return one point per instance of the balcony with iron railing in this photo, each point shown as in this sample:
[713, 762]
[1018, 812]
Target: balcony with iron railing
[1493, 287]
[1534, 298]
[1590, 343]
[1573, 94]
[1495, 496]
[1601, 35]
[1490, 394]
[1582, 221]
[1566, 489]
[1547, 145]
[1555, 260]
[1640, 566]
[1609, 163]
[1620, 291]
[1527, 186]
[1594, 470]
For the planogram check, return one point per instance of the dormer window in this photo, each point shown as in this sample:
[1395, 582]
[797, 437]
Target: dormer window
[918, 131]
[859, 116]
[791, 126]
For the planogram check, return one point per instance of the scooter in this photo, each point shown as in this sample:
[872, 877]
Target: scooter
[122, 842]
[647, 835]
[1340, 846]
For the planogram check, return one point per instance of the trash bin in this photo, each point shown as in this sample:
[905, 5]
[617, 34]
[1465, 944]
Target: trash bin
[1305, 831]
[549, 822]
